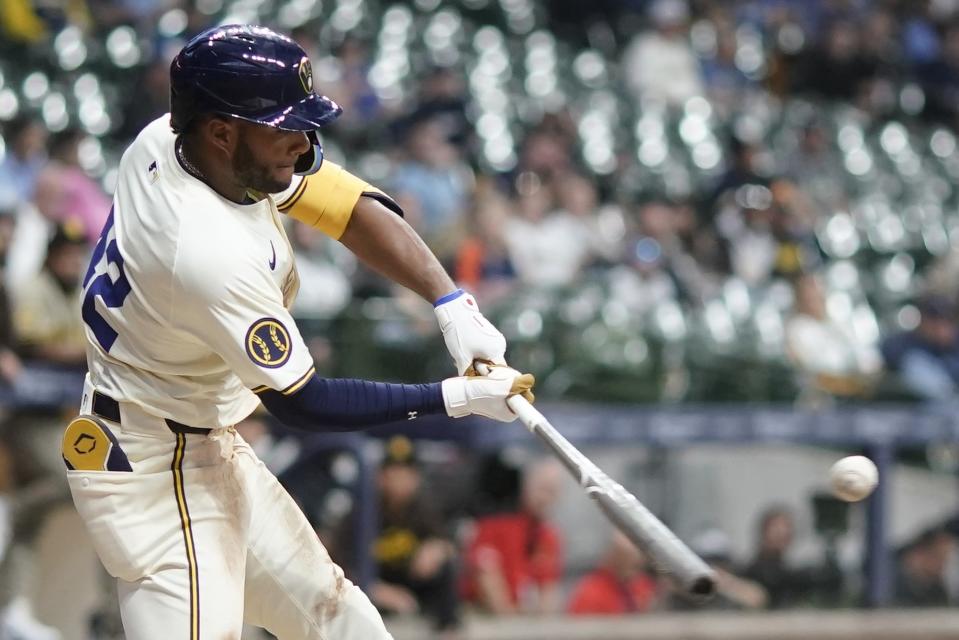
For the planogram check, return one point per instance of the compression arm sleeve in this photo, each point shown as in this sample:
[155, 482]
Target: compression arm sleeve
[341, 404]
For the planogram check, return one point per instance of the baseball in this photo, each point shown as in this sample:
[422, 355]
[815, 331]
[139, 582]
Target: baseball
[853, 478]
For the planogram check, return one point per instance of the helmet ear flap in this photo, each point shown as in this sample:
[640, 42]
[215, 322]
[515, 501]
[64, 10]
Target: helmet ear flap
[310, 162]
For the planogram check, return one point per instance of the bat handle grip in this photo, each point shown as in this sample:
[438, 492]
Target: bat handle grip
[527, 414]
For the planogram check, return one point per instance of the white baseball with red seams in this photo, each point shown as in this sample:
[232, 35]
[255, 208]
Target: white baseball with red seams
[853, 478]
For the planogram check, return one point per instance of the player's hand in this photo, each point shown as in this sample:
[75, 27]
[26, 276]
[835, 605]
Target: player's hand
[486, 395]
[484, 367]
[468, 334]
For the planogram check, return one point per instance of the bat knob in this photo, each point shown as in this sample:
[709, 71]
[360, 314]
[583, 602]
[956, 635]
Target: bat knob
[703, 587]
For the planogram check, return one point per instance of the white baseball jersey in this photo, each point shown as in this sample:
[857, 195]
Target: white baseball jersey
[187, 294]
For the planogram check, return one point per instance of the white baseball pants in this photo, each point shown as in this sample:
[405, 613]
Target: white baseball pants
[202, 537]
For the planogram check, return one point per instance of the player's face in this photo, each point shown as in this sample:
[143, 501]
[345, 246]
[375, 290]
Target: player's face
[264, 157]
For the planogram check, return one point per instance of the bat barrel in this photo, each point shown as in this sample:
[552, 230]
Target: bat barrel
[666, 551]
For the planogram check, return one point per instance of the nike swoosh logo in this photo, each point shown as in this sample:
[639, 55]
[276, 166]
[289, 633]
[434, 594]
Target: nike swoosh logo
[273, 259]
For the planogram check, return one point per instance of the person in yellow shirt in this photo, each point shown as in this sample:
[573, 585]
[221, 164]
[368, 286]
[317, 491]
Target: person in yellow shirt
[45, 317]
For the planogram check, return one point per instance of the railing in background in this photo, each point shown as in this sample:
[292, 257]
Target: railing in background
[879, 429]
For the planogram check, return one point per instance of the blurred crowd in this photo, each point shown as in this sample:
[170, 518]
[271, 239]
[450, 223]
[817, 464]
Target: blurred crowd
[485, 541]
[687, 192]
[649, 194]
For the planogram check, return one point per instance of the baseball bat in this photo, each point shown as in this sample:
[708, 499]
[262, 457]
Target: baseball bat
[667, 552]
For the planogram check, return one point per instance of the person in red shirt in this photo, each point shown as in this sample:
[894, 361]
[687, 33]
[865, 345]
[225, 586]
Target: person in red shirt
[619, 585]
[514, 560]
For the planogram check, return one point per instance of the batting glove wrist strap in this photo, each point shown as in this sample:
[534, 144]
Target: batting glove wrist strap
[449, 297]
[455, 397]
[468, 334]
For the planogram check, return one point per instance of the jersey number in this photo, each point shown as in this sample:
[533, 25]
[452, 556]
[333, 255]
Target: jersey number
[111, 290]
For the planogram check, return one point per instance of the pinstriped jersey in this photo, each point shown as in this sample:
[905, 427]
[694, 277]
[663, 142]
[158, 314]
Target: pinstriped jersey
[187, 294]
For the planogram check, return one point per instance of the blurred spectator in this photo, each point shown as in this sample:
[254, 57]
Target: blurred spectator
[942, 276]
[432, 184]
[745, 223]
[548, 247]
[413, 552]
[816, 166]
[26, 142]
[920, 37]
[547, 149]
[349, 84]
[768, 231]
[324, 287]
[829, 353]
[880, 40]
[46, 310]
[786, 585]
[660, 65]
[513, 561]
[110, 12]
[921, 570]
[618, 585]
[732, 591]
[483, 261]
[745, 167]
[577, 198]
[149, 97]
[642, 283]
[792, 226]
[32, 21]
[32, 485]
[841, 52]
[725, 82]
[9, 361]
[38, 218]
[20, 22]
[940, 79]
[498, 481]
[69, 194]
[443, 98]
[670, 229]
[926, 359]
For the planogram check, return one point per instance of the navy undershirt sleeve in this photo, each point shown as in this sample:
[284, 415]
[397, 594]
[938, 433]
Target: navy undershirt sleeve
[343, 404]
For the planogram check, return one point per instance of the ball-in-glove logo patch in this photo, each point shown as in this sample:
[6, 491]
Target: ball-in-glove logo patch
[268, 343]
[306, 75]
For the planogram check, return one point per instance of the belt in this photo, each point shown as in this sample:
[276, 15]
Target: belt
[109, 409]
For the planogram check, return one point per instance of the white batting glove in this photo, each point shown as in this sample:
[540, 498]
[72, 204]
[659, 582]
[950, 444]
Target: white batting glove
[469, 336]
[486, 395]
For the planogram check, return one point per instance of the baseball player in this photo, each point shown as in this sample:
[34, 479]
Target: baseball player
[186, 310]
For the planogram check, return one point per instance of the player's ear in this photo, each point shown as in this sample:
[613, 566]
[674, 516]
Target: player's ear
[223, 133]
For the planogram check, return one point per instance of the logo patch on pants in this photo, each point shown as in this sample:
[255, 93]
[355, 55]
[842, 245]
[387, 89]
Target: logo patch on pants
[89, 445]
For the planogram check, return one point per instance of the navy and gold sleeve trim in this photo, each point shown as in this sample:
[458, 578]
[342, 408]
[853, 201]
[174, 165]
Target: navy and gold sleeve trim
[295, 196]
[296, 386]
[293, 388]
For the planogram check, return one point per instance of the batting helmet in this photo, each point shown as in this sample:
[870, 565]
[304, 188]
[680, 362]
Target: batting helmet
[254, 74]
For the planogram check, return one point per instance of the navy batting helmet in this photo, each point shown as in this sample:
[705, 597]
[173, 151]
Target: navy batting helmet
[251, 73]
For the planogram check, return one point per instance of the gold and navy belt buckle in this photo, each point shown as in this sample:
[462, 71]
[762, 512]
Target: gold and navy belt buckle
[89, 445]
